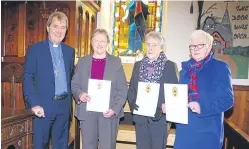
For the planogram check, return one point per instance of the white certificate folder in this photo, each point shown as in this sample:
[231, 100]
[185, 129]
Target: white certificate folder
[176, 101]
[99, 92]
[147, 98]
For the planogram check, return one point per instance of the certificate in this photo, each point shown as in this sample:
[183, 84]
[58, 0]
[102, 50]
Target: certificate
[99, 92]
[147, 98]
[176, 101]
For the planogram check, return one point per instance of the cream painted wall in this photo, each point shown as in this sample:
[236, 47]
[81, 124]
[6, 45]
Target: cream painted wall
[179, 26]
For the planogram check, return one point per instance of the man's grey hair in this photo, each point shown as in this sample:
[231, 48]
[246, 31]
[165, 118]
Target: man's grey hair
[59, 15]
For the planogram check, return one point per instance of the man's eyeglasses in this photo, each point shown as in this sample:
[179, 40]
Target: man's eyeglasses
[199, 46]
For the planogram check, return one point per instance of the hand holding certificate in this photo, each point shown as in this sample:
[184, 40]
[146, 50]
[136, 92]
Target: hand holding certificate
[176, 102]
[147, 98]
[99, 91]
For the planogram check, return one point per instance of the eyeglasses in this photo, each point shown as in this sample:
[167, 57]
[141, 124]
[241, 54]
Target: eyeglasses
[199, 46]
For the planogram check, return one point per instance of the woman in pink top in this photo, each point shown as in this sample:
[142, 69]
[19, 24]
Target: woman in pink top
[99, 126]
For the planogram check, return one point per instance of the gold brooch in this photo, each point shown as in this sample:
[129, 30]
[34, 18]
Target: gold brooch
[99, 85]
[148, 88]
[175, 91]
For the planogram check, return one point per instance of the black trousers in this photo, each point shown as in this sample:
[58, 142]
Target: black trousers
[151, 135]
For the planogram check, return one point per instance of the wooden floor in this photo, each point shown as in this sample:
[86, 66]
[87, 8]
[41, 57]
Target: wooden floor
[126, 135]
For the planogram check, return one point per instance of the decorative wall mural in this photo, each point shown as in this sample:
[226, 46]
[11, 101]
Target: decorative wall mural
[228, 23]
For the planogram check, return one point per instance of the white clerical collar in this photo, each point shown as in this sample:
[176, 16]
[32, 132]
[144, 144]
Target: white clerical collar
[55, 45]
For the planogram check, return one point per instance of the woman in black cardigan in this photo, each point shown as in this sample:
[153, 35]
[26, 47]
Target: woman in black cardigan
[151, 132]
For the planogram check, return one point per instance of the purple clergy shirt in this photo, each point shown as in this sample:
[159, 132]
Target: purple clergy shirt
[98, 68]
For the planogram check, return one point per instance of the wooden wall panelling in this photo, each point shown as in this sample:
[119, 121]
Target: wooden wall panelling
[239, 114]
[89, 11]
[10, 29]
[6, 96]
[43, 16]
[12, 95]
[76, 32]
[244, 123]
[233, 111]
[2, 91]
[93, 22]
[243, 100]
[80, 32]
[87, 33]
[11, 32]
[246, 117]
[93, 27]
[32, 24]
[19, 96]
[72, 26]
[83, 38]
[13, 59]
[13, 50]
[3, 26]
[240, 107]
[81, 29]
[21, 29]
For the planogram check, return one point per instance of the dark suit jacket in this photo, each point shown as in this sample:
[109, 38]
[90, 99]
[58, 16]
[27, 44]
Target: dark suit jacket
[169, 76]
[38, 77]
[113, 71]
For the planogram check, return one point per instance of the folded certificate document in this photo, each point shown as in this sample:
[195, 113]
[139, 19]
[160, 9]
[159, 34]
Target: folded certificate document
[176, 101]
[99, 92]
[147, 98]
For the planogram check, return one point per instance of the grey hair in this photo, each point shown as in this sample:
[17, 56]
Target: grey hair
[101, 31]
[155, 35]
[202, 34]
[59, 15]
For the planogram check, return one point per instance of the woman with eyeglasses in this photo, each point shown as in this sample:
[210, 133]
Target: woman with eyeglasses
[151, 132]
[210, 95]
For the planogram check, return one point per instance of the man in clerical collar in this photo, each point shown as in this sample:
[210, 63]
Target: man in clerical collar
[46, 85]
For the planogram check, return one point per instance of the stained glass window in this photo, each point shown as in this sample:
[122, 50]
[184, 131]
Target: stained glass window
[132, 18]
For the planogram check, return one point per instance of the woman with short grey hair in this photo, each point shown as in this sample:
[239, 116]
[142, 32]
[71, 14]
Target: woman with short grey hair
[100, 31]
[151, 132]
[155, 35]
[96, 126]
[210, 95]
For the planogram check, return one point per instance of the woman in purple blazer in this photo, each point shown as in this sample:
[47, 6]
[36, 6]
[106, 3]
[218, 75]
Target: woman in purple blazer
[210, 95]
